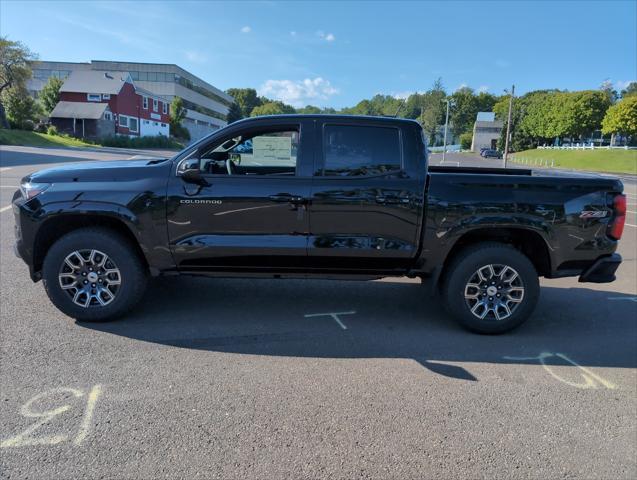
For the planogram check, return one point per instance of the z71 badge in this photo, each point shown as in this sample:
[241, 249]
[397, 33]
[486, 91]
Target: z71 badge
[593, 214]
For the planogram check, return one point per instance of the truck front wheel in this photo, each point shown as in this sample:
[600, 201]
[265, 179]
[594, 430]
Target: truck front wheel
[93, 274]
[490, 288]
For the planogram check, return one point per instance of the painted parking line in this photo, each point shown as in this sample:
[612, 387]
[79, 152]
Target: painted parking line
[4, 169]
[4, 209]
[630, 299]
[334, 315]
[8, 186]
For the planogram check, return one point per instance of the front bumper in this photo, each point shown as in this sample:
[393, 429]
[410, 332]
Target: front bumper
[603, 270]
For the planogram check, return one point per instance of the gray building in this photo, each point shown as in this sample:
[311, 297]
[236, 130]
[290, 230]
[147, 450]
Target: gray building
[486, 131]
[206, 105]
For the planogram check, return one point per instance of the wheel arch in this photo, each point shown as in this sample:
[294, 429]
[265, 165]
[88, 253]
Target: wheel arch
[57, 226]
[527, 241]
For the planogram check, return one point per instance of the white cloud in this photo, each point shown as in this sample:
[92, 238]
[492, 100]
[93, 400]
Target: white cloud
[298, 93]
[483, 88]
[246, 29]
[328, 37]
[461, 86]
[195, 56]
[622, 84]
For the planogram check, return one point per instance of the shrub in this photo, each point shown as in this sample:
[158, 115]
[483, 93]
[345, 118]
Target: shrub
[40, 127]
[465, 140]
[52, 130]
[179, 131]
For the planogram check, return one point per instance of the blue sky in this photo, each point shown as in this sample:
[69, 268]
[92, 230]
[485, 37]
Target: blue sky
[337, 53]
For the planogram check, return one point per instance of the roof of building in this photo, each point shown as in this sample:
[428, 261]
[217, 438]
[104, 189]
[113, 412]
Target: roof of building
[87, 110]
[485, 117]
[94, 81]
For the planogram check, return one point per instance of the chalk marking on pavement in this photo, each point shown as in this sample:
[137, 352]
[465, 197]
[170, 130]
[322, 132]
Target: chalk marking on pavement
[85, 428]
[589, 376]
[334, 316]
[630, 225]
[4, 169]
[4, 209]
[631, 299]
[9, 186]
[25, 439]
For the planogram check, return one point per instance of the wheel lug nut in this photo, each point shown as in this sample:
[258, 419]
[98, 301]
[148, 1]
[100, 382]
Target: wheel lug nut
[490, 299]
[93, 285]
[100, 280]
[84, 274]
[85, 282]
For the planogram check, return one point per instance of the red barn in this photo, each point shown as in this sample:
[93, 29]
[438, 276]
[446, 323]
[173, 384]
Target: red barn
[134, 111]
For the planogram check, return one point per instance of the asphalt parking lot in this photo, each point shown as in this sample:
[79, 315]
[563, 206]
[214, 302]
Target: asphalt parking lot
[217, 378]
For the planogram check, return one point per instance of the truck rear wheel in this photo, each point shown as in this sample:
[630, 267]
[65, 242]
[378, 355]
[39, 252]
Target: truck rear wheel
[93, 275]
[490, 288]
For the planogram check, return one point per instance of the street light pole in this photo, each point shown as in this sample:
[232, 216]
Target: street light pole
[506, 141]
[444, 148]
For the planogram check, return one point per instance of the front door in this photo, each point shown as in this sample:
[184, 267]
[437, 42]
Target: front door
[249, 210]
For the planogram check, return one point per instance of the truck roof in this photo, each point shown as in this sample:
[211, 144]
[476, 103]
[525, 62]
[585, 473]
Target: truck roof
[331, 117]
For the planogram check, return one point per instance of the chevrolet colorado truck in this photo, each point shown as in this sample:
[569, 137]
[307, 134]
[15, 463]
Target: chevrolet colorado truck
[323, 196]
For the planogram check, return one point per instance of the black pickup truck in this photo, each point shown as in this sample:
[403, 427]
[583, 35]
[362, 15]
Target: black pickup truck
[315, 197]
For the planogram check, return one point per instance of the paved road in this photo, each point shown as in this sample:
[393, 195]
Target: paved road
[242, 379]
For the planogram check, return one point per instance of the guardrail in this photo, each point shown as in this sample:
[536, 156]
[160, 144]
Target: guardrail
[584, 146]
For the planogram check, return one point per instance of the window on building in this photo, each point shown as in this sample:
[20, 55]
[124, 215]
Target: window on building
[354, 151]
[164, 108]
[123, 121]
[145, 103]
[108, 116]
[155, 105]
[132, 124]
[106, 96]
[93, 97]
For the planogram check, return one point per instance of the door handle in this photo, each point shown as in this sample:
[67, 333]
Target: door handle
[287, 198]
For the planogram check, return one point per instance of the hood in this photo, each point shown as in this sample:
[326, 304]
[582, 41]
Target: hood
[102, 171]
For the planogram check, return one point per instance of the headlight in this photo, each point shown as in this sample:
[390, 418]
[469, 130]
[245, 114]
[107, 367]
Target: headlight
[30, 190]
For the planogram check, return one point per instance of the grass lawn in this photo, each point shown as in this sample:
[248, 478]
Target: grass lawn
[34, 139]
[598, 160]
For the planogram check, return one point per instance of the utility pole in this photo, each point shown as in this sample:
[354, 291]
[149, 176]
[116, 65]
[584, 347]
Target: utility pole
[444, 148]
[506, 141]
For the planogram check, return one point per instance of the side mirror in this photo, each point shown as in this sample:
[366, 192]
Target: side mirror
[193, 175]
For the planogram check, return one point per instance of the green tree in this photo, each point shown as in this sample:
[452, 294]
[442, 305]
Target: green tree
[246, 98]
[465, 140]
[630, 90]
[622, 118]
[21, 109]
[50, 94]
[272, 108]
[15, 69]
[464, 110]
[234, 113]
[432, 110]
[309, 110]
[177, 114]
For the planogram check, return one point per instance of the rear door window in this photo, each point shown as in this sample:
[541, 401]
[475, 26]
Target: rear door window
[351, 150]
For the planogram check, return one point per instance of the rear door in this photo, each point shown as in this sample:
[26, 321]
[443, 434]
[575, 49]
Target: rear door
[366, 201]
[251, 211]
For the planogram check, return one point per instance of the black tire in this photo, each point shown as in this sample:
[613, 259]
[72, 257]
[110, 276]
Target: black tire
[463, 271]
[132, 274]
